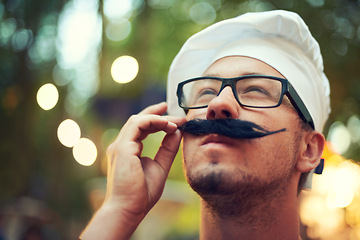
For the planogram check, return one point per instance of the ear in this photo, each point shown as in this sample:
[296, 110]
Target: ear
[310, 152]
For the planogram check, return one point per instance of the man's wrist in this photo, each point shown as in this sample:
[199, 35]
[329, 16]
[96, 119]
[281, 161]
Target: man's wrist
[110, 222]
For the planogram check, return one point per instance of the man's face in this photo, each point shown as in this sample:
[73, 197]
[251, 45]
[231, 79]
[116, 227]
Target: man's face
[216, 164]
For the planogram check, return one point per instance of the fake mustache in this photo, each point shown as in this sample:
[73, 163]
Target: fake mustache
[233, 128]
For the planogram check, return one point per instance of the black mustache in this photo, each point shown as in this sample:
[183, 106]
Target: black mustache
[233, 128]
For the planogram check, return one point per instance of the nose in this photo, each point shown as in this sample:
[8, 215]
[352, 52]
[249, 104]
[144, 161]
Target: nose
[223, 106]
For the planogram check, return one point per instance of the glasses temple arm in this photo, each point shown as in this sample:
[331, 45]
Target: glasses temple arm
[299, 106]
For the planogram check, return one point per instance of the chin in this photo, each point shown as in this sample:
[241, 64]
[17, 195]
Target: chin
[214, 179]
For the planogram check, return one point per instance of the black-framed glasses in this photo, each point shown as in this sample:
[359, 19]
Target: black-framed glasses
[254, 91]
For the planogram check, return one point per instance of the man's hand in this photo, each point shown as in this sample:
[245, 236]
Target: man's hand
[135, 183]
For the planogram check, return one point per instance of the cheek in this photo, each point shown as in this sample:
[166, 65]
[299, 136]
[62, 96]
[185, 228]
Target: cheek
[283, 152]
[196, 113]
[186, 148]
[193, 154]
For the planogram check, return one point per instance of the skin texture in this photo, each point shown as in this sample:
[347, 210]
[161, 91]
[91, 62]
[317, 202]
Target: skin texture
[248, 187]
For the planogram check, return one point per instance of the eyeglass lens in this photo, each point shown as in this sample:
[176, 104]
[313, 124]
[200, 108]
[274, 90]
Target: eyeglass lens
[251, 92]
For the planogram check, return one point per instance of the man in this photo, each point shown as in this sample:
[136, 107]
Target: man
[256, 100]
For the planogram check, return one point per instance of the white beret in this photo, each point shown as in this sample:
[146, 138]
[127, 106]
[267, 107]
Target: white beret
[279, 38]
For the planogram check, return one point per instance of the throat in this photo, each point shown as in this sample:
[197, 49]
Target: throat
[252, 207]
[249, 217]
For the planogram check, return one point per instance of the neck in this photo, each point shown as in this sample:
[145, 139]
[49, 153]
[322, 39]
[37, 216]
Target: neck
[261, 219]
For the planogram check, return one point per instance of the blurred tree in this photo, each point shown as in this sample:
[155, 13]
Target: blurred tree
[22, 70]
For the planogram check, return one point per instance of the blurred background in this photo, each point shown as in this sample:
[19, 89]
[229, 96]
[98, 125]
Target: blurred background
[73, 71]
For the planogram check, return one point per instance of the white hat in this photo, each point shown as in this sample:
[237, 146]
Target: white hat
[279, 38]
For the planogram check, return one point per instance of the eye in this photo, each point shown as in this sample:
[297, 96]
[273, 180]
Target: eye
[207, 91]
[259, 92]
[203, 96]
[255, 90]
[200, 92]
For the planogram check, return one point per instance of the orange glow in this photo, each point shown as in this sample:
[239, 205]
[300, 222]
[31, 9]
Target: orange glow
[330, 156]
[333, 202]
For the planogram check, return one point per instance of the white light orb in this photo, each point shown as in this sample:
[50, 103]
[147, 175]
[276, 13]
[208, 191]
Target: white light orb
[85, 152]
[124, 69]
[68, 133]
[47, 96]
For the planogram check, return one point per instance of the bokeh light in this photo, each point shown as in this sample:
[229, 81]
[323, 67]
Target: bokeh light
[316, 3]
[68, 132]
[85, 152]
[114, 9]
[74, 33]
[78, 47]
[118, 30]
[353, 125]
[21, 39]
[346, 181]
[203, 13]
[8, 28]
[340, 137]
[47, 96]
[160, 4]
[332, 203]
[43, 47]
[124, 69]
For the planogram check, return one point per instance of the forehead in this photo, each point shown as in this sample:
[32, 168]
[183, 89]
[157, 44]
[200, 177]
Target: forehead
[234, 66]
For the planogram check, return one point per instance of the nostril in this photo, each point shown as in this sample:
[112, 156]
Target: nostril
[219, 114]
[226, 113]
[211, 115]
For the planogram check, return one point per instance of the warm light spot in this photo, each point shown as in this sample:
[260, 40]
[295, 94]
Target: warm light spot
[323, 183]
[338, 184]
[333, 203]
[340, 198]
[353, 213]
[124, 69]
[311, 207]
[345, 184]
[47, 96]
[68, 132]
[321, 220]
[85, 152]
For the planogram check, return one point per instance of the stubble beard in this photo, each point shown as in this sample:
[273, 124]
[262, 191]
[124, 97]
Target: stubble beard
[237, 194]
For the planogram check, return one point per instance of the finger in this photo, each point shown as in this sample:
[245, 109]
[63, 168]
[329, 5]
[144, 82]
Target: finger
[177, 120]
[168, 150]
[156, 123]
[169, 129]
[139, 126]
[158, 109]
